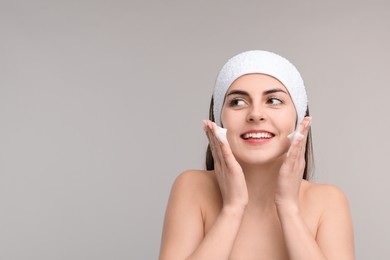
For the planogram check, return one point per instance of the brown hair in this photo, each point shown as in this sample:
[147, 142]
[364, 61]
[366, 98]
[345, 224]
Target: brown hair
[309, 156]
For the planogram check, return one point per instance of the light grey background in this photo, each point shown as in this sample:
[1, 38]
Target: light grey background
[101, 105]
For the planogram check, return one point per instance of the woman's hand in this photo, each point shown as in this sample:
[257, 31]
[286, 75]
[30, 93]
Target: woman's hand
[291, 171]
[228, 171]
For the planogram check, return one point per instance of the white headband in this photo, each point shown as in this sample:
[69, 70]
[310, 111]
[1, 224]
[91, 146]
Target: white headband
[263, 62]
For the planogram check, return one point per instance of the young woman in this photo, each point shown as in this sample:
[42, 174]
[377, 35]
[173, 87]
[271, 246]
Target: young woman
[254, 201]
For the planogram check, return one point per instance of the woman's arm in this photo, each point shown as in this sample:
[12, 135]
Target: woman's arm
[183, 234]
[335, 233]
[183, 224]
[334, 238]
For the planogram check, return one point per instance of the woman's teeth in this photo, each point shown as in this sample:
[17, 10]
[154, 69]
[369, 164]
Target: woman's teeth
[257, 135]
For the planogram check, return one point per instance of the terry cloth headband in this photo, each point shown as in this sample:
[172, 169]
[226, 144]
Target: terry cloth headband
[263, 62]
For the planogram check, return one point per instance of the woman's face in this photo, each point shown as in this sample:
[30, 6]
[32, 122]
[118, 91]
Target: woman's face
[259, 115]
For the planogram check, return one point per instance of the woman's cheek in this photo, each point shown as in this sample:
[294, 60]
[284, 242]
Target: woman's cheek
[233, 142]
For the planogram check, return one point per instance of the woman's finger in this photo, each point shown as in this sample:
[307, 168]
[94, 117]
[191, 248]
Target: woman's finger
[217, 142]
[210, 138]
[214, 143]
[306, 122]
[300, 133]
[298, 147]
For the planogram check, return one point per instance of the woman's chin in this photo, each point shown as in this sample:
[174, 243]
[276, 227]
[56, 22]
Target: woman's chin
[259, 160]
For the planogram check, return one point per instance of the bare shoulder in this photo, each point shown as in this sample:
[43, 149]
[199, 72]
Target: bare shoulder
[196, 186]
[323, 194]
[195, 180]
[328, 202]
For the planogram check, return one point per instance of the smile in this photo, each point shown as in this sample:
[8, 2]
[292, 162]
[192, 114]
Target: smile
[257, 135]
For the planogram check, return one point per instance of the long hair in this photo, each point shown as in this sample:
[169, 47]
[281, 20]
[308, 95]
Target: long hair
[309, 156]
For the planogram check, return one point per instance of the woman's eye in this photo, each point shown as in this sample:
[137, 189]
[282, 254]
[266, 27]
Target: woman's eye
[237, 102]
[274, 101]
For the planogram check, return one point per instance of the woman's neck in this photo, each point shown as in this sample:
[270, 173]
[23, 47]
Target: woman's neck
[261, 182]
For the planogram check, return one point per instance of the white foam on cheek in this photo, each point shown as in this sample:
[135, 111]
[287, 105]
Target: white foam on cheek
[221, 134]
[296, 134]
[293, 137]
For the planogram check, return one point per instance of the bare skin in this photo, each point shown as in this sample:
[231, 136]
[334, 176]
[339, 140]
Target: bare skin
[255, 205]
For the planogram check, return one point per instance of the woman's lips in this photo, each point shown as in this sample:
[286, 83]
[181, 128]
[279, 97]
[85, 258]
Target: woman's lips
[257, 136]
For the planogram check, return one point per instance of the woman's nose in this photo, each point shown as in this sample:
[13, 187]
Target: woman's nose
[256, 114]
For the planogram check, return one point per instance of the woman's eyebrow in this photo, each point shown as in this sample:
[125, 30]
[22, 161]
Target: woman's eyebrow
[274, 90]
[266, 92]
[238, 92]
